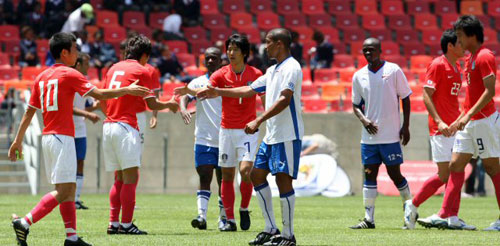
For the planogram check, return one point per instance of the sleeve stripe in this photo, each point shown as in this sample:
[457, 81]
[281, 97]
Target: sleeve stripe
[259, 89]
[429, 86]
[149, 96]
[33, 107]
[485, 77]
[88, 91]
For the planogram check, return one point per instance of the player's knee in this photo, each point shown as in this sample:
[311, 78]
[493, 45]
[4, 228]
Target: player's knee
[257, 177]
[245, 171]
[371, 174]
[65, 192]
[205, 178]
[491, 170]
[395, 175]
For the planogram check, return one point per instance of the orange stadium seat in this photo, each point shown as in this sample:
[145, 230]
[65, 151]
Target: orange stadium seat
[315, 106]
[425, 22]
[9, 32]
[382, 34]
[361, 61]
[186, 60]
[252, 33]
[132, 19]
[325, 75]
[445, 7]
[195, 33]
[330, 92]
[345, 75]
[260, 6]
[494, 9]
[471, 8]
[392, 7]
[412, 49]
[8, 73]
[267, 21]
[17, 84]
[419, 63]
[220, 34]
[490, 36]
[365, 7]
[156, 19]
[199, 46]
[309, 91]
[418, 7]
[405, 36]
[211, 21]
[331, 33]
[447, 20]
[177, 46]
[295, 20]
[373, 22]
[106, 18]
[320, 20]
[313, 7]
[30, 73]
[209, 7]
[13, 48]
[353, 35]
[343, 61]
[399, 22]
[346, 21]
[240, 19]
[233, 6]
[114, 34]
[284, 7]
[430, 37]
[390, 48]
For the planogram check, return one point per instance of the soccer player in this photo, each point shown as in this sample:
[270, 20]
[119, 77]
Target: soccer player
[376, 89]
[53, 93]
[207, 129]
[478, 125]
[441, 90]
[121, 139]
[279, 153]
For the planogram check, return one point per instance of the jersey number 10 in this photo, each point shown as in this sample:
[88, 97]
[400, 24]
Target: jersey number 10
[52, 88]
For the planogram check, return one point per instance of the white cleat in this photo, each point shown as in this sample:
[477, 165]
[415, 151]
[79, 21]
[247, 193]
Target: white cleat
[495, 226]
[455, 223]
[411, 215]
[433, 221]
[222, 221]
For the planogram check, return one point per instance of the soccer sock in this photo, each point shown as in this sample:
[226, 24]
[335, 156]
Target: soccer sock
[68, 214]
[369, 196]
[265, 199]
[44, 207]
[222, 212]
[451, 200]
[114, 202]
[127, 199]
[496, 183]
[79, 185]
[228, 198]
[246, 194]
[404, 190]
[287, 201]
[203, 196]
[430, 187]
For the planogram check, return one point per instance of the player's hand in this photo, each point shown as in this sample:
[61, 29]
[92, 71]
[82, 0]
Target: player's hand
[173, 106]
[208, 92]
[152, 122]
[186, 116]
[137, 90]
[370, 127]
[93, 117]
[404, 135]
[463, 122]
[16, 146]
[181, 91]
[444, 129]
[252, 127]
[453, 128]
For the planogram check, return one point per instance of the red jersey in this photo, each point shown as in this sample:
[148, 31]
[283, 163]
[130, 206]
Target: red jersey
[122, 74]
[446, 82]
[477, 67]
[53, 93]
[236, 112]
[154, 84]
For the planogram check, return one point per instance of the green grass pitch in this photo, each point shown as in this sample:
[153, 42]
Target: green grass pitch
[318, 221]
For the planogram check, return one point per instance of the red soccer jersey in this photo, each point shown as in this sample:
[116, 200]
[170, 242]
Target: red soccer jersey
[154, 84]
[124, 109]
[236, 112]
[446, 81]
[477, 67]
[53, 93]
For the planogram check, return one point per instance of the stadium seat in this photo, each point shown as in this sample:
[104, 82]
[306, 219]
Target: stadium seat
[309, 91]
[431, 37]
[399, 22]
[306, 76]
[346, 21]
[392, 7]
[106, 18]
[114, 34]
[284, 7]
[486, 20]
[418, 106]
[365, 7]
[345, 75]
[230, 7]
[495, 48]
[494, 9]
[4, 61]
[418, 7]
[267, 21]
[390, 48]
[156, 19]
[133, 19]
[313, 7]
[419, 63]
[305, 33]
[295, 20]
[411, 49]
[186, 60]
[260, 6]
[425, 22]
[435, 50]
[471, 8]
[199, 46]
[93, 73]
[336, 7]
[177, 46]
[144, 30]
[490, 36]
[8, 73]
[315, 106]
[9, 32]
[382, 34]
[339, 48]
[220, 34]
[325, 75]
[42, 46]
[252, 33]
[320, 20]
[447, 20]
[195, 33]
[240, 20]
[12, 48]
[343, 61]
[211, 21]
[398, 59]
[405, 36]
[331, 92]
[91, 30]
[97, 4]
[361, 61]
[331, 33]
[356, 48]
[306, 46]
[353, 35]
[445, 7]
[30, 73]
[373, 22]
[209, 7]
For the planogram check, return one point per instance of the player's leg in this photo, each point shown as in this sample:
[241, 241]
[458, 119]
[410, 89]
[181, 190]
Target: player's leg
[115, 203]
[247, 146]
[227, 162]
[127, 199]
[81, 150]
[111, 162]
[205, 161]
[222, 212]
[492, 168]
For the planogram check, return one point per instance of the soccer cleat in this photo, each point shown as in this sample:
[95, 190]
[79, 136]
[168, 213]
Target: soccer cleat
[263, 237]
[279, 240]
[411, 215]
[433, 221]
[495, 226]
[244, 220]
[78, 242]
[112, 230]
[79, 205]
[21, 232]
[199, 223]
[131, 230]
[229, 226]
[364, 224]
[222, 221]
[455, 223]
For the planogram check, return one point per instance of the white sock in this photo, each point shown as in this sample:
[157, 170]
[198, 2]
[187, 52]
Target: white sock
[404, 191]
[287, 210]
[222, 212]
[79, 185]
[203, 196]
[126, 225]
[369, 196]
[72, 238]
[265, 199]
[114, 223]
[25, 223]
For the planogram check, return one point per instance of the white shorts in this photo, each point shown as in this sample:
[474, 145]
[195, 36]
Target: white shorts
[59, 154]
[142, 123]
[479, 138]
[121, 145]
[441, 147]
[235, 146]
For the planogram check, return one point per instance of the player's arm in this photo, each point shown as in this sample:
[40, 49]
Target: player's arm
[185, 114]
[263, 100]
[154, 119]
[17, 144]
[357, 106]
[133, 89]
[431, 108]
[404, 133]
[212, 92]
[282, 103]
[186, 90]
[154, 104]
[88, 115]
[95, 106]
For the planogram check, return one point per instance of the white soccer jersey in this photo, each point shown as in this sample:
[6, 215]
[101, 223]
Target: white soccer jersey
[80, 128]
[380, 92]
[287, 125]
[208, 116]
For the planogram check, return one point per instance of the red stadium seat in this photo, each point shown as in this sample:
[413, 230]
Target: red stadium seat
[346, 21]
[495, 48]
[343, 61]
[233, 6]
[431, 37]
[295, 20]
[390, 48]
[405, 36]
[325, 75]
[399, 22]
[412, 49]
[309, 91]
[97, 3]
[339, 48]
[305, 33]
[313, 7]
[240, 20]
[306, 76]
[114, 34]
[398, 59]
[356, 48]
[30, 73]
[320, 20]
[156, 19]
[490, 36]
[106, 18]
[306, 46]
[417, 105]
[195, 33]
[186, 60]
[445, 7]
[447, 20]
[425, 22]
[252, 33]
[267, 21]
[9, 32]
[177, 46]
[42, 46]
[382, 34]
[392, 7]
[209, 7]
[133, 19]
[471, 8]
[331, 33]
[486, 20]
[93, 73]
[144, 30]
[4, 61]
[365, 7]
[284, 7]
[199, 46]
[315, 106]
[260, 6]
[419, 63]
[336, 7]
[8, 74]
[435, 50]
[220, 34]
[373, 22]
[168, 88]
[361, 61]
[418, 7]
[12, 48]
[345, 75]
[353, 35]
[211, 21]
[494, 8]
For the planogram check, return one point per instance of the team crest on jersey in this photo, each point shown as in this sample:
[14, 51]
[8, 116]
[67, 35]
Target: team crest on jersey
[291, 86]
[429, 82]
[88, 85]
[224, 158]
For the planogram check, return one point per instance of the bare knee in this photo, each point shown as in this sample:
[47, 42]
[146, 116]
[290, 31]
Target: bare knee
[245, 170]
[491, 169]
[65, 192]
[258, 176]
[228, 174]
[130, 175]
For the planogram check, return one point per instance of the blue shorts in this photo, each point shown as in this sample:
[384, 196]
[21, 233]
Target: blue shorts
[81, 148]
[389, 154]
[205, 155]
[279, 158]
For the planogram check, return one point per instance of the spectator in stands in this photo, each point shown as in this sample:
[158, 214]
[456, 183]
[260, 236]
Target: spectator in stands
[189, 10]
[254, 59]
[83, 42]
[55, 15]
[24, 9]
[168, 65]
[323, 50]
[7, 12]
[160, 5]
[36, 20]
[156, 44]
[296, 48]
[77, 19]
[172, 26]
[102, 54]
[29, 56]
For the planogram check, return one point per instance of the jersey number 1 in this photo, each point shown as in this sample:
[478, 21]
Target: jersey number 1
[52, 89]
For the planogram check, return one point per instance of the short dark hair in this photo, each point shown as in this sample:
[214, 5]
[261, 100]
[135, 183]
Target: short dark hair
[241, 41]
[123, 44]
[471, 26]
[59, 42]
[318, 36]
[137, 46]
[79, 59]
[282, 35]
[449, 36]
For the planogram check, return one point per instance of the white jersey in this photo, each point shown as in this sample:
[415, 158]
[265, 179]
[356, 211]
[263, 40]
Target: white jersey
[380, 92]
[208, 116]
[287, 125]
[80, 128]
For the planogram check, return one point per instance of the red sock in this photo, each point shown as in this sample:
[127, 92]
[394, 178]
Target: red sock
[127, 199]
[496, 183]
[68, 213]
[227, 195]
[246, 193]
[44, 207]
[430, 187]
[451, 201]
[114, 201]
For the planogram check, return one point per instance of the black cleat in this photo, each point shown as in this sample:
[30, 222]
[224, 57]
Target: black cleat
[199, 223]
[229, 226]
[263, 237]
[244, 220]
[112, 230]
[79, 205]
[131, 230]
[282, 241]
[21, 232]
[78, 242]
[364, 224]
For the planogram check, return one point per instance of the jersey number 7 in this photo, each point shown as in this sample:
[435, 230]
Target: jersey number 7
[52, 88]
